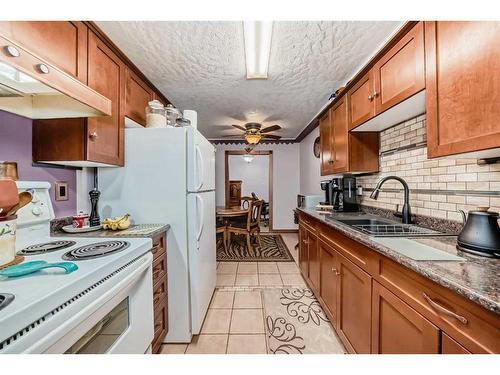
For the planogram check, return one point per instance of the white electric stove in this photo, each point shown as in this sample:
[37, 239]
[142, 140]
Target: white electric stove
[105, 306]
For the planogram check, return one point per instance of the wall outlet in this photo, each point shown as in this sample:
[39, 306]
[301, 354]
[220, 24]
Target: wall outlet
[61, 190]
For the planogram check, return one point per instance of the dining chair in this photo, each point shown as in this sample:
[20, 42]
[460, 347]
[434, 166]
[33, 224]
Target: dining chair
[249, 227]
[222, 228]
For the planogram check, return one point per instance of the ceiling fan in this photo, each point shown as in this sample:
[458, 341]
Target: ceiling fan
[254, 133]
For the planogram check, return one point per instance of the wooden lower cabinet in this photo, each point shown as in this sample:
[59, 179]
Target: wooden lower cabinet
[450, 346]
[329, 279]
[399, 329]
[160, 291]
[314, 261]
[354, 306]
[376, 305]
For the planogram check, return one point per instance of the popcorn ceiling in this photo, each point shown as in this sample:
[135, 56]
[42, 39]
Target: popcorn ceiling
[201, 66]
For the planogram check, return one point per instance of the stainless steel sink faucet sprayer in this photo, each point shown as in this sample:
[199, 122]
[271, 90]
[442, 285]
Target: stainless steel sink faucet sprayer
[406, 212]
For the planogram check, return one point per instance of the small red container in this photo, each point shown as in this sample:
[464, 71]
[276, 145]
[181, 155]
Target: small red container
[81, 221]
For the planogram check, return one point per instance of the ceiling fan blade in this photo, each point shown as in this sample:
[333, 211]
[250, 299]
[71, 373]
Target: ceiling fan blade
[271, 128]
[239, 127]
[271, 136]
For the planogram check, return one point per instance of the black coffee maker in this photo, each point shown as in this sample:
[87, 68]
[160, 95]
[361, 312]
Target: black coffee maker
[344, 197]
[327, 187]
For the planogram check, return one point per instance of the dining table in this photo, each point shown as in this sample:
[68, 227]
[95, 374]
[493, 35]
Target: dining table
[226, 213]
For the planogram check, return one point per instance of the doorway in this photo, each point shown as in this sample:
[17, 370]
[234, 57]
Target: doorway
[256, 176]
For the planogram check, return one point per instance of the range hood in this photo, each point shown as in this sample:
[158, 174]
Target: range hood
[33, 88]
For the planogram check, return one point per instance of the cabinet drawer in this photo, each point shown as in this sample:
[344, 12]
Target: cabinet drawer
[158, 246]
[475, 328]
[308, 222]
[159, 293]
[159, 267]
[352, 250]
[160, 328]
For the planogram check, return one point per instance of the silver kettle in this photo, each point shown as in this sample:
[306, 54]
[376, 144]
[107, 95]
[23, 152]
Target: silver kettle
[481, 233]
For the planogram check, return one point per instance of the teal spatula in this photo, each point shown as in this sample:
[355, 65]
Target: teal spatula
[35, 266]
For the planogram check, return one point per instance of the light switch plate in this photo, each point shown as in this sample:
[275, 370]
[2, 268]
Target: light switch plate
[61, 190]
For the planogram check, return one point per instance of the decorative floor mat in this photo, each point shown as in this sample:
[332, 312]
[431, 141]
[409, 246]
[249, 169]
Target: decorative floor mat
[273, 250]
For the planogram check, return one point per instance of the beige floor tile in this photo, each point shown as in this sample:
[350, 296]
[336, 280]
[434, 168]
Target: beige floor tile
[291, 279]
[246, 344]
[227, 267]
[225, 279]
[208, 344]
[247, 267]
[267, 267]
[247, 280]
[247, 321]
[270, 279]
[247, 300]
[288, 267]
[173, 348]
[222, 300]
[217, 321]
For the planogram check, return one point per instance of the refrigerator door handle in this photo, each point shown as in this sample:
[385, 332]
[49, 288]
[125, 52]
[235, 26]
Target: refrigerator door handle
[201, 221]
[200, 167]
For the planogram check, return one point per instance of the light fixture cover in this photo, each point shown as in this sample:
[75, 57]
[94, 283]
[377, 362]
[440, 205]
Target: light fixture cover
[248, 158]
[258, 35]
[253, 139]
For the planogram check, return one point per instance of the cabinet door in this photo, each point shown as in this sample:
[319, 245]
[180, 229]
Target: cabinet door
[462, 86]
[400, 73]
[354, 306]
[398, 329]
[325, 136]
[137, 96]
[106, 75]
[340, 136]
[361, 101]
[303, 252]
[329, 278]
[314, 261]
[450, 346]
[62, 43]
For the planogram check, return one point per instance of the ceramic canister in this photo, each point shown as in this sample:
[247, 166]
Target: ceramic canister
[7, 239]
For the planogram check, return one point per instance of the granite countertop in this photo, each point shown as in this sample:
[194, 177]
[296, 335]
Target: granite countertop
[476, 278]
[138, 230]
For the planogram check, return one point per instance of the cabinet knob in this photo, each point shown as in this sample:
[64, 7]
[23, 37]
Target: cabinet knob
[305, 241]
[335, 271]
[330, 161]
[375, 94]
[12, 51]
[44, 69]
[370, 97]
[93, 136]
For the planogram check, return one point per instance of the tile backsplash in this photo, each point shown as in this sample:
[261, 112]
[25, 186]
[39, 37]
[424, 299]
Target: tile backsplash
[438, 187]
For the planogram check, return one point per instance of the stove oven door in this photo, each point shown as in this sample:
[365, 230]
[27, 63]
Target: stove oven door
[121, 320]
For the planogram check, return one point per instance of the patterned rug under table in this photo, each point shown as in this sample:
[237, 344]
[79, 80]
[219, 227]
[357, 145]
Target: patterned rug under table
[296, 323]
[273, 249]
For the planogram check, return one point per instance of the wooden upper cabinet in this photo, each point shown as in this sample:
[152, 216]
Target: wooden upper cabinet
[361, 101]
[137, 96]
[400, 73]
[329, 279]
[106, 75]
[354, 295]
[462, 86]
[340, 131]
[399, 329]
[62, 43]
[326, 145]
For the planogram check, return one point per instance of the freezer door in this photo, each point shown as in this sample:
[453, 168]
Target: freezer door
[202, 254]
[201, 162]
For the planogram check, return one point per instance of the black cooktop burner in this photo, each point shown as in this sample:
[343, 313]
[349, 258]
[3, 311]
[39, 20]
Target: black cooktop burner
[47, 247]
[96, 250]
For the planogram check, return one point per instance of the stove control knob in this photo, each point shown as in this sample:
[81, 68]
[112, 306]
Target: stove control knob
[35, 198]
[37, 211]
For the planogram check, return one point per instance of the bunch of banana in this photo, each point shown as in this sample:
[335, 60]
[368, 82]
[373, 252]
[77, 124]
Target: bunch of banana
[118, 223]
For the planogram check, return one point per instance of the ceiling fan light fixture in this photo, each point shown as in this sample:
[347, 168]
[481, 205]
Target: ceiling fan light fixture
[253, 139]
[257, 35]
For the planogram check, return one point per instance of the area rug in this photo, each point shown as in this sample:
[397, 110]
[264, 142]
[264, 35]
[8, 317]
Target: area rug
[273, 250]
[296, 323]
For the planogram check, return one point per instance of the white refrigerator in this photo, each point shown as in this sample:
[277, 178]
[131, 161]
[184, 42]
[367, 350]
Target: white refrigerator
[169, 177]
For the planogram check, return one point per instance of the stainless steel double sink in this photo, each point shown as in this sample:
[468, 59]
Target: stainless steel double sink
[387, 228]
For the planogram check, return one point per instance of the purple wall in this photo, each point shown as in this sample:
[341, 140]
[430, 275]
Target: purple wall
[15, 145]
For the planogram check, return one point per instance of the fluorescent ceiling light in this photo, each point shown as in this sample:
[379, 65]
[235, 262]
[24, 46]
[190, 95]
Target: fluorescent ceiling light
[258, 35]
